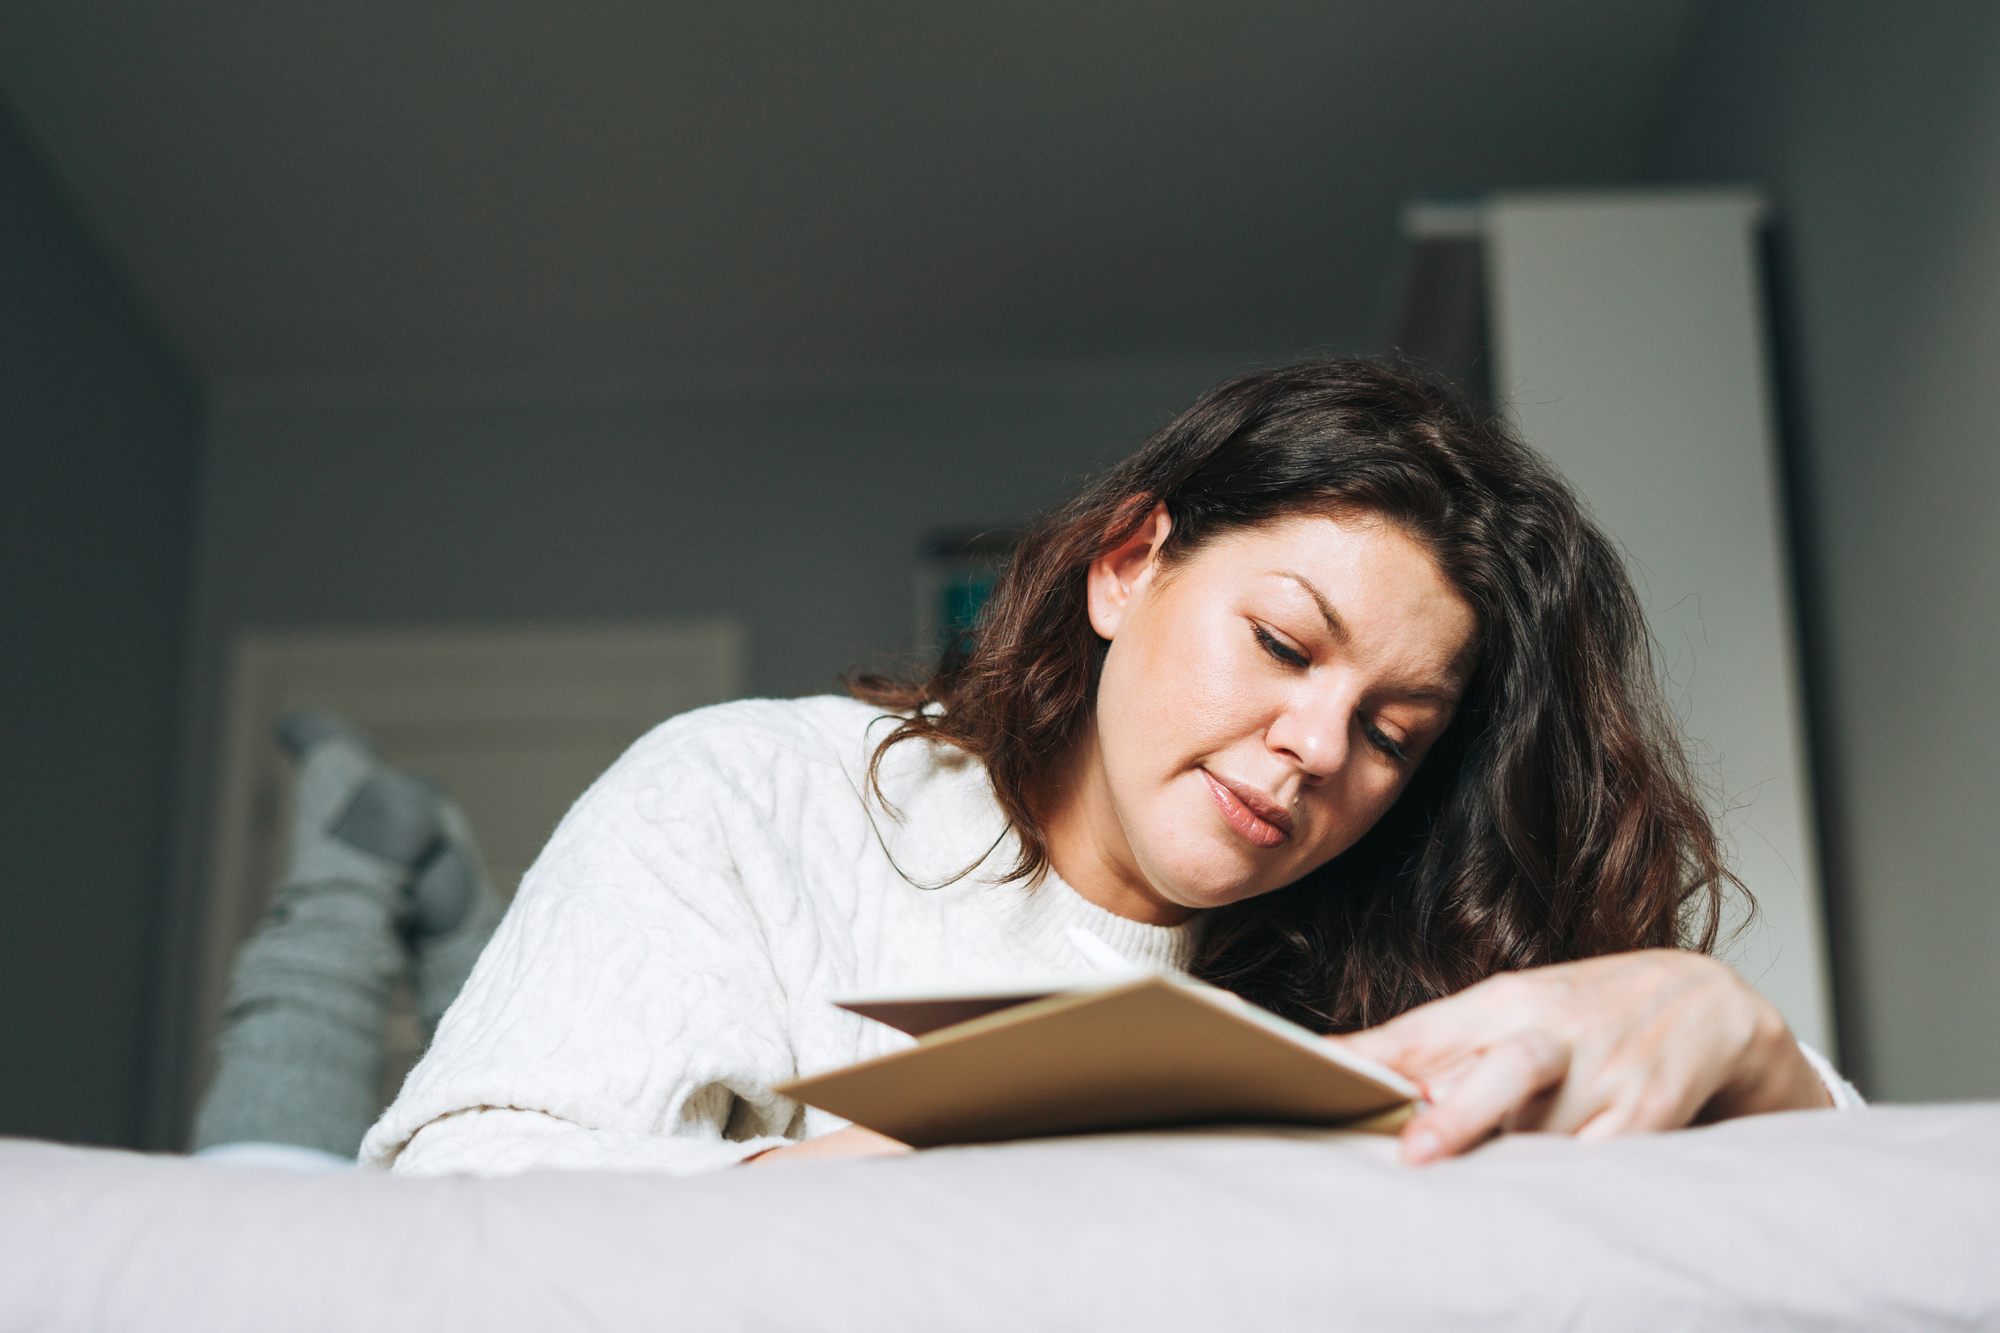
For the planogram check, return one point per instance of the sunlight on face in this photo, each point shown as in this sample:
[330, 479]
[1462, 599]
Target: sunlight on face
[1262, 704]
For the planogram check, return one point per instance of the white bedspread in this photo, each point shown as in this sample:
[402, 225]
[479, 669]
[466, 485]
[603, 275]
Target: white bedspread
[1879, 1219]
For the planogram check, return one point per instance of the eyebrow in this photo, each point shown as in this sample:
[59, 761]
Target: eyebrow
[1445, 693]
[1334, 626]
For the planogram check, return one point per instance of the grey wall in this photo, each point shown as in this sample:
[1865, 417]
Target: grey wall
[99, 438]
[798, 511]
[1877, 128]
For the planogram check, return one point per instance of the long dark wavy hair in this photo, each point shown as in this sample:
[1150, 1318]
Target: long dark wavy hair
[1555, 819]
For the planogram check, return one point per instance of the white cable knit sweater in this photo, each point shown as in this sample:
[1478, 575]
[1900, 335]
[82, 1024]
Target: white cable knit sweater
[670, 954]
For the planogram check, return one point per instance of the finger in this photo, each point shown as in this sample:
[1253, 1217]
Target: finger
[1507, 1077]
[1533, 1116]
[1441, 1081]
[1426, 1039]
[1644, 1102]
[1655, 1077]
[1434, 1075]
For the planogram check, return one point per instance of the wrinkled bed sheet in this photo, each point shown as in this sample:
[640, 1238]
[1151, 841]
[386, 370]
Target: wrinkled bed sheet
[1879, 1219]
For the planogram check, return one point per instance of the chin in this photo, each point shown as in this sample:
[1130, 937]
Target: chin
[1236, 893]
[1205, 874]
[1202, 887]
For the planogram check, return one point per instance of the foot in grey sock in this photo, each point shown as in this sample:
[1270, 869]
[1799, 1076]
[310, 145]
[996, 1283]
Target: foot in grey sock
[355, 819]
[453, 912]
[301, 1047]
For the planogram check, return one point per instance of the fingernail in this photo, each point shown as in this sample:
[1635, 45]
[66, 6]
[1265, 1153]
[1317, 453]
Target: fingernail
[1422, 1145]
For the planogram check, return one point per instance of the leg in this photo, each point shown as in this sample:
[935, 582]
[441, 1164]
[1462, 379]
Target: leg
[454, 911]
[301, 1045]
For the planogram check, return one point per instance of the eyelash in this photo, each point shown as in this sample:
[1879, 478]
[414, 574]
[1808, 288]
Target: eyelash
[1380, 740]
[1293, 657]
[1282, 652]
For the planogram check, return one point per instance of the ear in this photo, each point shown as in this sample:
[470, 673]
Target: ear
[1121, 575]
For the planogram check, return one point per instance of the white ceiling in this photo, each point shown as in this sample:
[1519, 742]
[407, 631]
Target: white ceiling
[501, 187]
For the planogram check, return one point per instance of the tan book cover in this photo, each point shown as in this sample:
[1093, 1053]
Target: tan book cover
[1128, 1053]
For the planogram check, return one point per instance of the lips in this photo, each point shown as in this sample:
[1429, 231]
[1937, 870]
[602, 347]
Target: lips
[1255, 816]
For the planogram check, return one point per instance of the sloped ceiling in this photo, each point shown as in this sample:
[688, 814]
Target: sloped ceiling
[501, 187]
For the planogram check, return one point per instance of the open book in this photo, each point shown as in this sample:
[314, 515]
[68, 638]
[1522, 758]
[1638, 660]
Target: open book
[1125, 1051]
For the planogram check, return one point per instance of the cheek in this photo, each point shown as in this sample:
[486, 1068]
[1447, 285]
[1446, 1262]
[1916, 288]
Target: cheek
[1168, 699]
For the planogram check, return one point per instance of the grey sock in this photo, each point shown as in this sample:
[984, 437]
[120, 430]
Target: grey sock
[354, 819]
[453, 913]
[303, 728]
[300, 1055]
[392, 817]
[301, 1050]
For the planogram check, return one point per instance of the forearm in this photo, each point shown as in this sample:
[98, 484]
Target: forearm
[1846, 1097]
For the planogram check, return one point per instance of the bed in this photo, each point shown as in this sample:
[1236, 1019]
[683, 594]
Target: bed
[1880, 1219]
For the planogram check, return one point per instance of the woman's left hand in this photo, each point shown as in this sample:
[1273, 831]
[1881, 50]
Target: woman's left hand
[854, 1141]
[1622, 1044]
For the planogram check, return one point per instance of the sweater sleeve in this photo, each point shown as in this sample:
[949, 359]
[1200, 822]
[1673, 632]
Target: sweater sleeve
[1845, 1096]
[627, 1014]
[498, 1142]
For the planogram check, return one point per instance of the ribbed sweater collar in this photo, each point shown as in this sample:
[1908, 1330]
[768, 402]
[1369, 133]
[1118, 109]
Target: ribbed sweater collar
[1052, 906]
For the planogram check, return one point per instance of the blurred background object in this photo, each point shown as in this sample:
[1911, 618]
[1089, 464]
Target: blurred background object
[394, 319]
[1626, 332]
[956, 575]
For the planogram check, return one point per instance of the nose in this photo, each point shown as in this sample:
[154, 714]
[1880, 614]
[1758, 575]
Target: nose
[1314, 732]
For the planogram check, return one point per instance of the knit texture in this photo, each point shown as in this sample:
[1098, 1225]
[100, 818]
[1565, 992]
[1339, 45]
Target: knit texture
[671, 954]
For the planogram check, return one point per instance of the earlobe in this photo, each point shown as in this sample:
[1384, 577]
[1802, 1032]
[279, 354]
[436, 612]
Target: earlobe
[1119, 575]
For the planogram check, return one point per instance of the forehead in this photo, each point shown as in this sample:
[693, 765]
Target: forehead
[1337, 546]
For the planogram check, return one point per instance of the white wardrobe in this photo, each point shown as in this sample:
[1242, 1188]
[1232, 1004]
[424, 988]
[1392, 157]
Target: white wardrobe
[1624, 333]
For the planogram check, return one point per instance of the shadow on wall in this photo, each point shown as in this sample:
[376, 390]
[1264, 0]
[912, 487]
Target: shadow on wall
[99, 437]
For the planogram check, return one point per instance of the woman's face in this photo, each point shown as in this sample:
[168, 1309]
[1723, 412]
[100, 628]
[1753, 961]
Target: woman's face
[1262, 704]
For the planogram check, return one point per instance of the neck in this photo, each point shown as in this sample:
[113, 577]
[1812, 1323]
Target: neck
[1088, 847]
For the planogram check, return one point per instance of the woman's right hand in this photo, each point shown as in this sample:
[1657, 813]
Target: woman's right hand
[1624, 1043]
[854, 1141]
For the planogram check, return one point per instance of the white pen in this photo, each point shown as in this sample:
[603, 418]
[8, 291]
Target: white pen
[1097, 953]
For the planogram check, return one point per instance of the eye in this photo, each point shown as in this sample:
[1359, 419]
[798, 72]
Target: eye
[1381, 740]
[1283, 652]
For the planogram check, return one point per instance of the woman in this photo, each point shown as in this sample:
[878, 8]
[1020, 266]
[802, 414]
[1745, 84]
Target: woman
[1330, 695]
